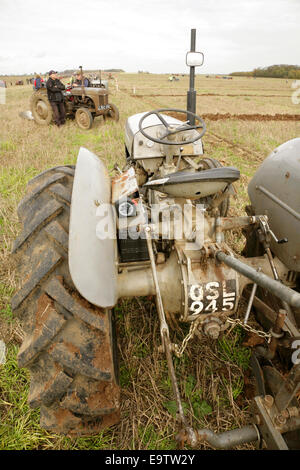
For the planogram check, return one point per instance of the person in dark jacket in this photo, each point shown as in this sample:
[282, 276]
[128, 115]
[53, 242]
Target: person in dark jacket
[54, 91]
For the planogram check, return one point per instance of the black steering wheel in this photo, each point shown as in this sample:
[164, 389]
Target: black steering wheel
[184, 127]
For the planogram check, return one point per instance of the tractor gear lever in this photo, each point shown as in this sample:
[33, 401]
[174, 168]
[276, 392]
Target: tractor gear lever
[282, 240]
[266, 232]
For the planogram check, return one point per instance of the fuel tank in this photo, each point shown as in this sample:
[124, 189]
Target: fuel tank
[275, 191]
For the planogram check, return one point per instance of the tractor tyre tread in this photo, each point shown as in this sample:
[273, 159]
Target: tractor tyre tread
[69, 345]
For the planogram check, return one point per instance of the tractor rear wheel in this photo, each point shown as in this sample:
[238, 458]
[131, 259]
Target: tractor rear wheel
[84, 118]
[41, 108]
[113, 113]
[69, 344]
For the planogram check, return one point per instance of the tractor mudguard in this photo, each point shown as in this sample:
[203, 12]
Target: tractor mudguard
[92, 261]
[274, 191]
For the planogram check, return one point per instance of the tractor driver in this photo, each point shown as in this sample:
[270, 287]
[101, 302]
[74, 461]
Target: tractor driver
[77, 82]
[54, 91]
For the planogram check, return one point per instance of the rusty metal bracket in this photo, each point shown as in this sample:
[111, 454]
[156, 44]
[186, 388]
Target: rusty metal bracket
[258, 374]
[270, 434]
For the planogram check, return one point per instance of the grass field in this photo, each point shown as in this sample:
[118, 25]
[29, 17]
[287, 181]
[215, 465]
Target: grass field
[215, 381]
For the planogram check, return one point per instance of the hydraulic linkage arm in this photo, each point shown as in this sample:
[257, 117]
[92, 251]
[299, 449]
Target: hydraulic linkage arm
[167, 345]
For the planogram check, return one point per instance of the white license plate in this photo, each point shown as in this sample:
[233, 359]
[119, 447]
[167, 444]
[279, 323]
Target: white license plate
[210, 297]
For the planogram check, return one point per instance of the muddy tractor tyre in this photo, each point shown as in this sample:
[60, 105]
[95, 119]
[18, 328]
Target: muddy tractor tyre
[84, 118]
[69, 344]
[113, 113]
[41, 108]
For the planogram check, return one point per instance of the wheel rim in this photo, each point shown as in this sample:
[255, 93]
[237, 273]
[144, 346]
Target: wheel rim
[83, 119]
[42, 109]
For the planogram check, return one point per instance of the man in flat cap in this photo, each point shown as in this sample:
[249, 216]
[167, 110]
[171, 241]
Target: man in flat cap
[78, 81]
[54, 91]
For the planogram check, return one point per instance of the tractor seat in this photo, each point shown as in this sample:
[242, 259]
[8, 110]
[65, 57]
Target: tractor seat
[195, 185]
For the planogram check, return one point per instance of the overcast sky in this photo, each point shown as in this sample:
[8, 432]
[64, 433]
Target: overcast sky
[152, 35]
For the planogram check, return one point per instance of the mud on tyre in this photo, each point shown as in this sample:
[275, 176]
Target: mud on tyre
[69, 345]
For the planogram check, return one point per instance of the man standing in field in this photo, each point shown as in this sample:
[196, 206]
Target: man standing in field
[54, 91]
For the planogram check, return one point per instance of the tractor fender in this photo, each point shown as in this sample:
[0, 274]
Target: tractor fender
[92, 260]
[274, 191]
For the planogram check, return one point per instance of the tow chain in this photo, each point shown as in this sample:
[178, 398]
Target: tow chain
[178, 351]
[249, 328]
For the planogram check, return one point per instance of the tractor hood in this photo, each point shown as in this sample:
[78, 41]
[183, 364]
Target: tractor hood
[77, 91]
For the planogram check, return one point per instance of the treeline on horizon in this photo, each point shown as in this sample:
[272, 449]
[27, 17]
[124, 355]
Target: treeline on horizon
[273, 71]
[64, 72]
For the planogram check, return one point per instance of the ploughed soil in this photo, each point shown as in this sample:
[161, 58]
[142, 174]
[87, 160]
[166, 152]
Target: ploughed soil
[243, 117]
[252, 117]
[211, 94]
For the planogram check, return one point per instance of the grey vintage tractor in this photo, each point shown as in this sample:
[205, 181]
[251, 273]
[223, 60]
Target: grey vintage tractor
[157, 228]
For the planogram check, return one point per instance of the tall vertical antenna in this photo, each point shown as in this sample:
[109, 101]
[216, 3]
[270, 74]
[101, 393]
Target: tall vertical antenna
[191, 94]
